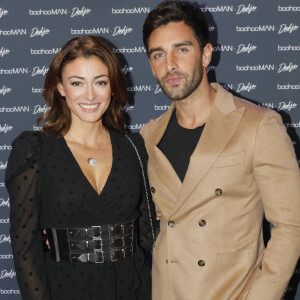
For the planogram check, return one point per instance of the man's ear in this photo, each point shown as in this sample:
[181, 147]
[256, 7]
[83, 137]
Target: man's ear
[207, 54]
[60, 88]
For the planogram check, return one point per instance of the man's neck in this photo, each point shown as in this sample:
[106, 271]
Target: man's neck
[194, 111]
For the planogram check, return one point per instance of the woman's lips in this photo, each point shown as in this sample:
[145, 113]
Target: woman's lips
[89, 107]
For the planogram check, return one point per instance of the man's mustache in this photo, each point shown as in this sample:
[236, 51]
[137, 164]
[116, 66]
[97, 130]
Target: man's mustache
[174, 74]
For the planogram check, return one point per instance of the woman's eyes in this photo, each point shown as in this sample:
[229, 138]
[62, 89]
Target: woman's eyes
[101, 83]
[76, 83]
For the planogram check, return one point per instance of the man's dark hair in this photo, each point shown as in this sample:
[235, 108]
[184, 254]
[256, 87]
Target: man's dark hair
[176, 11]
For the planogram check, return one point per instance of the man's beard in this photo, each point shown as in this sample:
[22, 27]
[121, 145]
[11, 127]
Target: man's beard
[189, 87]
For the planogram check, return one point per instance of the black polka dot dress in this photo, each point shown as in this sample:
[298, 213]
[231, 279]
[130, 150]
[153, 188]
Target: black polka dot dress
[48, 189]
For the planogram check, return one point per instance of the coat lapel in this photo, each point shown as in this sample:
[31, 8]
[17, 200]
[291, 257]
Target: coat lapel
[220, 127]
[161, 164]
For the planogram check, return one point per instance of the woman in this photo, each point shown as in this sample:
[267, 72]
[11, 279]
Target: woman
[81, 178]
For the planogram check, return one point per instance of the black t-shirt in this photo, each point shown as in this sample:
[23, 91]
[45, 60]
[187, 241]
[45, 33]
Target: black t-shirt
[178, 144]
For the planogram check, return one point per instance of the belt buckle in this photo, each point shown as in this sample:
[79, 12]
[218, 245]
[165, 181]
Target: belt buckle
[96, 231]
[102, 261]
[111, 252]
[101, 242]
[117, 238]
[122, 251]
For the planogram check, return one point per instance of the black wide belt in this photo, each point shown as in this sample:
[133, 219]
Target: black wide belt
[96, 244]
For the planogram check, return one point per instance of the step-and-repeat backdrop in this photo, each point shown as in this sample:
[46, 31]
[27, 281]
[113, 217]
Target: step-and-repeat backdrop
[256, 55]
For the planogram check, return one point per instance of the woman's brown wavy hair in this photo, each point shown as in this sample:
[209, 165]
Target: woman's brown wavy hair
[57, 120]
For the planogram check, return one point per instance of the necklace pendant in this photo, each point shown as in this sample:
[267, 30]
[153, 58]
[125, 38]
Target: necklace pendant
[92, 161]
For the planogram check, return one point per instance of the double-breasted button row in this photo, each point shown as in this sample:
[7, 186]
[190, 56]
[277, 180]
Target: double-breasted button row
[201, 262]
[218, 192]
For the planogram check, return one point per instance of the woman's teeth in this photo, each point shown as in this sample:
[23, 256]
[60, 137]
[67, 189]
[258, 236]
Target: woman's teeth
[88, 106]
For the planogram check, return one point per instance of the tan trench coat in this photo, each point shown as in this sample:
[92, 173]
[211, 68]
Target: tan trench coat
[210, 246]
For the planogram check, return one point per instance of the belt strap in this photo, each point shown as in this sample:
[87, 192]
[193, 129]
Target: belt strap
[95, 244]
[101, 256]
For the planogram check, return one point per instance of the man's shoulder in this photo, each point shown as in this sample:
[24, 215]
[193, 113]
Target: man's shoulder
[227, 101]
[151, 126]
[254, 107]
[254, 111]
[240, 102]
[255, 114]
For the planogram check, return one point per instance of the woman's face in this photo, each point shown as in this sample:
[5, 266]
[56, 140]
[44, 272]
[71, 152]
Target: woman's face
[86, 86]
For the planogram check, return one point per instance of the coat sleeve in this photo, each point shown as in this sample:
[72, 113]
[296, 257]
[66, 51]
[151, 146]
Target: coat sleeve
[22, 184]
[148, 225]
[277, 174]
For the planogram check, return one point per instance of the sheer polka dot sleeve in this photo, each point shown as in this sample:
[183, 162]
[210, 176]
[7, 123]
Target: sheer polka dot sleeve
[22, 178]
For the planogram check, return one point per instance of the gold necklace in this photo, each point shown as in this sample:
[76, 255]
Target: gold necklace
[91, 160]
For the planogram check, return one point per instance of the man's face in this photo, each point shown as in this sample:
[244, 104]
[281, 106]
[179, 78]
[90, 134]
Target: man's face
[176, 60]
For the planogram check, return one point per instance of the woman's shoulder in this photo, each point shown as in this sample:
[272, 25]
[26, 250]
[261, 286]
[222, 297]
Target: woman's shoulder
[32, 139]
[27, 143]
[26, 150]
[136, 138]
[123, 136]
[27, 140]
[138, 142]
[28, 137]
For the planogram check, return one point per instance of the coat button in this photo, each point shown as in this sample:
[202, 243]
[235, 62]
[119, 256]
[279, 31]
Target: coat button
[166, 261]
[218, 192]
[201, 263]
[202, 223]
[153, 189]
[171, 223]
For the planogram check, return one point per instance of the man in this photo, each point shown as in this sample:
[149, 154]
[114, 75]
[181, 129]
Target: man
[217, 164]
